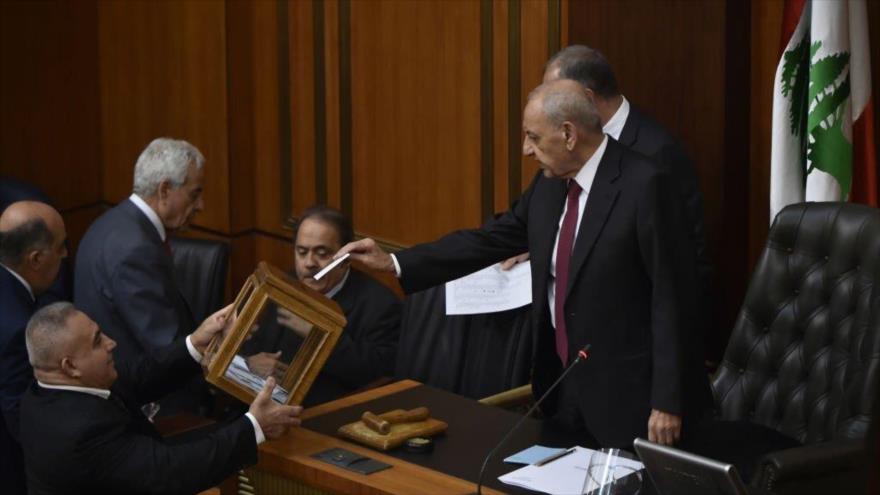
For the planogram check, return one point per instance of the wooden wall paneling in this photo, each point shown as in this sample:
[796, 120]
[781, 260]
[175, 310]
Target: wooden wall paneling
[240, 77]
[304, 104]
[487, 110]
[535, 50]
[731, 241]
[163, 73]
[500, 108]
[49, 98]
[332, 110]
[257, 140]
[766, 30]
[415, 118]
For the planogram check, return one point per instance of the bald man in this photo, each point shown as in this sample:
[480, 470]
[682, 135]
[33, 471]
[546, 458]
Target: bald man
[612, 266]
[32, 245]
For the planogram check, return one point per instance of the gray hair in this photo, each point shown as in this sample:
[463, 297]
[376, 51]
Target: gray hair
[46, 332]
[164, 158]
[562, 104]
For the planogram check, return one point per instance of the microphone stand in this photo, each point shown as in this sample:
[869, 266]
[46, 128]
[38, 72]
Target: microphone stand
[583, 355]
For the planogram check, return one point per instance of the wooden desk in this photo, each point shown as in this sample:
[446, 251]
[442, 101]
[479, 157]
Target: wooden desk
[289, 457]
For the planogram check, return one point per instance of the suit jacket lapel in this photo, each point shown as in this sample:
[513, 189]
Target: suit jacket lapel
[545, 235]
[603, 194]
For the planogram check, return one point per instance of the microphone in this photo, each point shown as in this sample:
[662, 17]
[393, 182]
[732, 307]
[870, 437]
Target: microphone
[583, 355]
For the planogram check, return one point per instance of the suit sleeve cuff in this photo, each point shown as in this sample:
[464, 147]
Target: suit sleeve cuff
[196, 355]
[396, 265]
[258, 432]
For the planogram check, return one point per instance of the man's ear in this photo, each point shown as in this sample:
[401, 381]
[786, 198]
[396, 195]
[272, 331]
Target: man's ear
[34, 259]
[569, 133]
[164, 189]
[590, 94]
[69, 369]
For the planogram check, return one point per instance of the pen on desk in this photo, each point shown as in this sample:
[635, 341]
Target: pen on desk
[555, 456]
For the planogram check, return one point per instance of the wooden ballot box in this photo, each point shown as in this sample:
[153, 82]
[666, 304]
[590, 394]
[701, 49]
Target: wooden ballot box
[280, 328]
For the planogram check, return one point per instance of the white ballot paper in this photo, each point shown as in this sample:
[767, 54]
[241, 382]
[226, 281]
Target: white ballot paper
[490, 290]
[564, 476]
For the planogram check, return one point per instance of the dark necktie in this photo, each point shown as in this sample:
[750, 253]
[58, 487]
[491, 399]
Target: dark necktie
[167, 244]
[563, 261]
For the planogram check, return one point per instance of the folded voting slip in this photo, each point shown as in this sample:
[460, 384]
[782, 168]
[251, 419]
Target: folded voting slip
[532, 455]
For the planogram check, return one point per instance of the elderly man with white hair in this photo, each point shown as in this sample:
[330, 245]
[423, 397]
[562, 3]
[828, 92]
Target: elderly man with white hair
[124, 276]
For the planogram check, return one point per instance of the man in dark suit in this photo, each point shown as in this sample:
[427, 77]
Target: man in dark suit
[81, 427]
[367, 348]
[638, 131]
[612, 266]
[124, 269]
[32, 245]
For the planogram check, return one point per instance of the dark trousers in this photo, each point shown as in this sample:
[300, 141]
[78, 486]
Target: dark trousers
[11, 457]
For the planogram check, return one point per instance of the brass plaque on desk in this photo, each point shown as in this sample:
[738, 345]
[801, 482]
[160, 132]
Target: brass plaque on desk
[283, 329]
[400, 432]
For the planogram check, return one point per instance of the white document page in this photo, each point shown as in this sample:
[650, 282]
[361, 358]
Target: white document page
[564, 476]
[490, 290]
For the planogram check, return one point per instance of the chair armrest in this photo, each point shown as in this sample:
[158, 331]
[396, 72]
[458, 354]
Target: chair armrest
[810, 461]
[510, 398]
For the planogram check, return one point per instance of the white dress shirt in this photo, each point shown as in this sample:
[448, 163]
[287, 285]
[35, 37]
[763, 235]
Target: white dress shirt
[105, 394]
[615, 124]
[22, 280]
[584, 178]
[152, 215]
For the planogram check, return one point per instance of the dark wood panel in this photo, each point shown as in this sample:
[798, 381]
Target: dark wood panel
[304, 102]
[765, 51]
[49, 98]
[415, 117]
[500, 85]
[534, 44]
[163, 73]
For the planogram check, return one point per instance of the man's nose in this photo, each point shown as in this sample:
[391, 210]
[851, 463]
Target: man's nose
[527, 148]
[200, 204]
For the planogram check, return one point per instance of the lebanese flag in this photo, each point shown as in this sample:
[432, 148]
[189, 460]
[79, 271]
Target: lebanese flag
[823, 118]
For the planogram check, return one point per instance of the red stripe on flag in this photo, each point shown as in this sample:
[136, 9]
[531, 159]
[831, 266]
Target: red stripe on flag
[791, 14]
[864, 178]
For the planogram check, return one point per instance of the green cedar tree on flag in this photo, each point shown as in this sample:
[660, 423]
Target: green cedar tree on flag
[823, 120]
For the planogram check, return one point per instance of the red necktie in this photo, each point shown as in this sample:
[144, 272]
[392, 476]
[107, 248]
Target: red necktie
[563, 260]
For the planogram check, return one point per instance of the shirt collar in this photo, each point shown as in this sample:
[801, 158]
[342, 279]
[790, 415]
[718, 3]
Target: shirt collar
[97, 392]
[151, 215]
[22, 280]
[615, 124]
[338, 287]
[587, 173]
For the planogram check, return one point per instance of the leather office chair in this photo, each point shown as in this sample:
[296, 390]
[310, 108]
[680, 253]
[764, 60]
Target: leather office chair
[804, 354]
[200, 267]
[471, 355]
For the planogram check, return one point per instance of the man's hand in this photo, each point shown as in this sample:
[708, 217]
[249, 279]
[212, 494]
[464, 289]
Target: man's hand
[266, 364]
[369, 253]
[289, 320]
[511, 262]
[274, 418]
[664, 428]
[212, 325]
